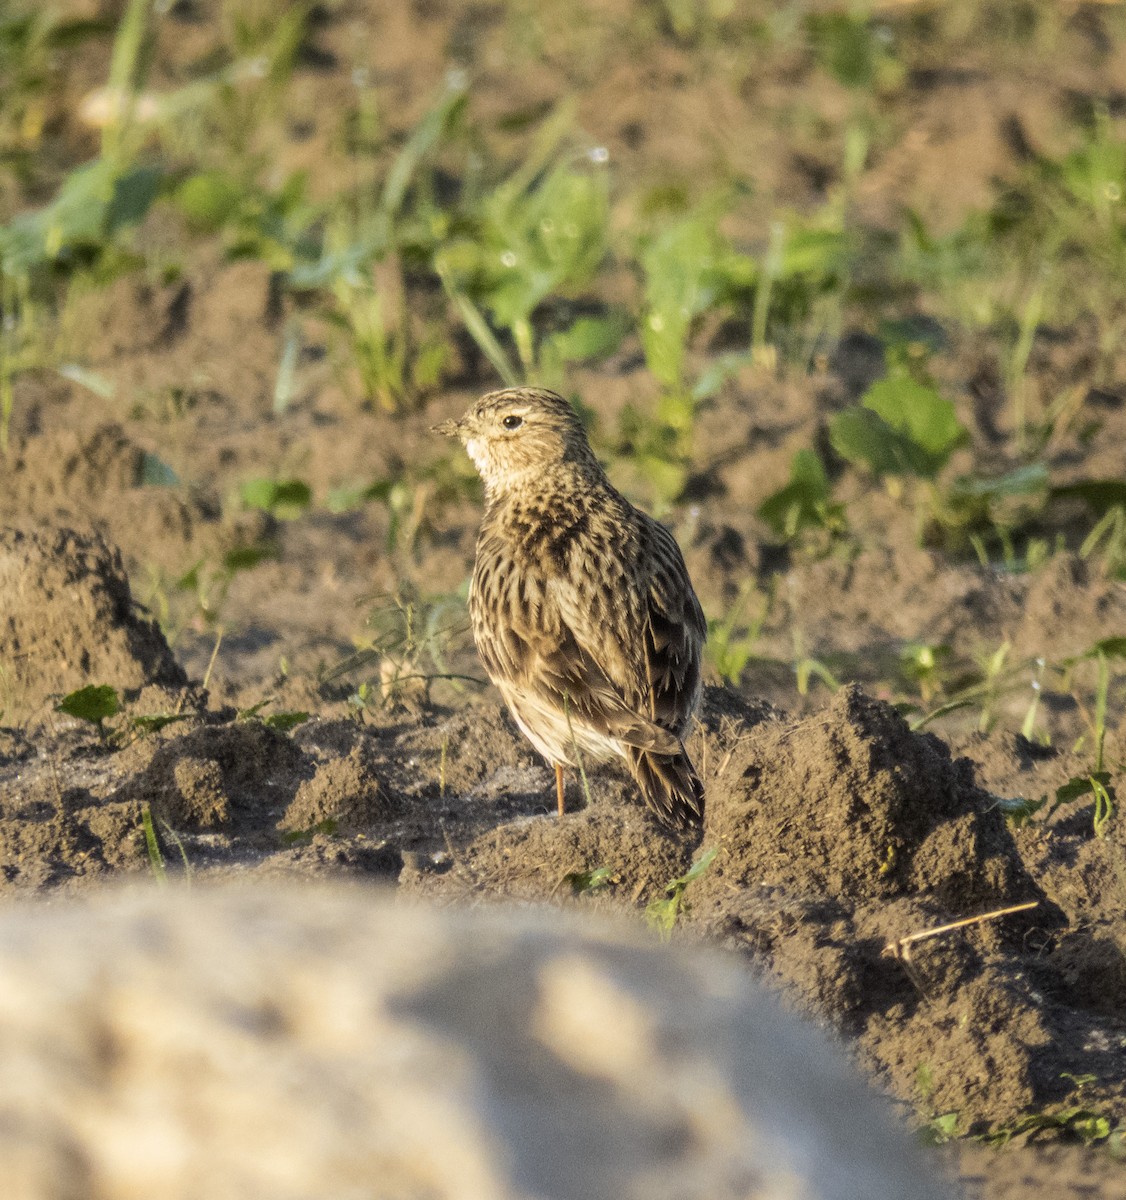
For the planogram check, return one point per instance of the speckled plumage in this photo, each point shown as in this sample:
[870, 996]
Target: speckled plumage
[582, 609]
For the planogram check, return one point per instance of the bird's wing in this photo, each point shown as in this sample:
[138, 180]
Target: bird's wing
[675, 631]
[626, 659]
[543, 637]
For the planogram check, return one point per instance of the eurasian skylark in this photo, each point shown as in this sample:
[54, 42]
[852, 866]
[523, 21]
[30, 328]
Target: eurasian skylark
[582, 609]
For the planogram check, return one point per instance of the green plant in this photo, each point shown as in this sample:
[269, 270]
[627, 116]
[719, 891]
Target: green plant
[1096, 782]
[283, 721]
[540, 235]
[152, 846]
[926, 666]
[99, 703]
[416, 496]
[411, 641]
[95, 206]
[1079, 1120]
[804, 510]
[285, 499]
[992, 678]
[584, 882]
[95, 703]
[662, 914]
[900, 429]
[731, 644]
[904, 433]
[207, 583]
[939, 1128]
[807, 668]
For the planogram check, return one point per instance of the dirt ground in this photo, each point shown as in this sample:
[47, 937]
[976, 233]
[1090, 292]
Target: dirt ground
[839, 831]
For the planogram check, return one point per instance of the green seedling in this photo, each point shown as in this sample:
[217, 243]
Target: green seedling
[807, 668]
[927, 667]
[99, 703]
[1078, 1120]
[539, 236]
[95, 703]
[409, 644]
[940, 1128]
[731, 644]
[663, 914]
[155, 853]
[584, 882]
[992, 678]
[804, 507]
[900, 429]
[207, 584]
[1109, 537]
[416, 497]
[152, 845]
[849, 46]
[302, 837]
[1097, 782]
[283, 722]
[286, 499]
[688, 268]
[1018, 811]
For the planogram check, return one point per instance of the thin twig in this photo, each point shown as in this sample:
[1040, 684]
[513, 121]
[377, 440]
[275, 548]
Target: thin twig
[895, 949]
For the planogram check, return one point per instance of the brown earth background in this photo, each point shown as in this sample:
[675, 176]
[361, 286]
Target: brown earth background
[130, 557]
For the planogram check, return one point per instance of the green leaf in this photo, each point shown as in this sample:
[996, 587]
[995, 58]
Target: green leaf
[1111, 647]
[684, 273]
[132, 197]
[920, 412]
[93, 703]
[300, 837]
[285, 498]
[587, 338]
[866, 440]
[940, 1130]
[152, 845]
[245, 558]
[1019, 811]
[73, 33]
[804, 502]
[901, 428]
[157, 721]
[1101, 494]
[817, 252]
[209, 199]
[666, 478]
[1081, 785]
[91, 380]
[662, 914]
[1022, 481]
[695, 870]
[845, 46]
[589, 881]
[283, 722]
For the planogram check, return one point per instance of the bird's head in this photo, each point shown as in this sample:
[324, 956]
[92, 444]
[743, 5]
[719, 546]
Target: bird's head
[515, 435]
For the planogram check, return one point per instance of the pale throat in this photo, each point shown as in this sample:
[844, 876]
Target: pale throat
[497, 476]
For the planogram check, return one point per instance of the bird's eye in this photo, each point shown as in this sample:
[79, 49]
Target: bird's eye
[512, 422]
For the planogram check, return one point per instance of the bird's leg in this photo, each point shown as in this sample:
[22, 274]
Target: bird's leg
[559, 786]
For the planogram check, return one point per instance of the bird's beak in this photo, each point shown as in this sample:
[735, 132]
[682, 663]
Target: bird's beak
[448, 428]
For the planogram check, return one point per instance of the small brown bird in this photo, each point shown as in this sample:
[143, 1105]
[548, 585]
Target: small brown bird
[582, 609]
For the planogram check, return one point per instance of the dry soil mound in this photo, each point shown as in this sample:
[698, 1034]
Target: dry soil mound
[69, 619]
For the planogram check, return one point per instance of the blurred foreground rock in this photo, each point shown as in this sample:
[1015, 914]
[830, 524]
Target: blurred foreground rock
[331, 1043]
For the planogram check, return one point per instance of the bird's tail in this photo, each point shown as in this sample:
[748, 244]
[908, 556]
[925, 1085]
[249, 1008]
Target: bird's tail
[669, 784]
